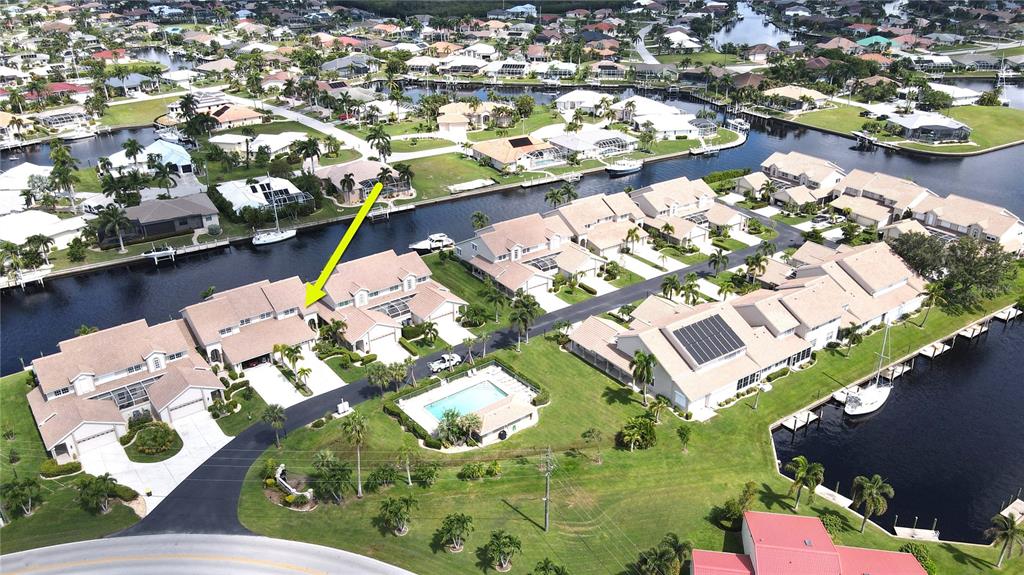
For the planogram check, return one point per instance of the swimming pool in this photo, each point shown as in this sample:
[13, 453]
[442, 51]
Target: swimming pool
[468, 400]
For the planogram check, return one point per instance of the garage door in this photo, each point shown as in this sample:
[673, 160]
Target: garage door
[386, 337]
[98, 440]
[187, 409]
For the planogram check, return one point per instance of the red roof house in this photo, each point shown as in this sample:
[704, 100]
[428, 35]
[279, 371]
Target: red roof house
[117, 54]
[715, 563]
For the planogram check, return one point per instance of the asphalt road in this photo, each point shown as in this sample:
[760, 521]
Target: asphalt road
[206, 554]
[207, 501]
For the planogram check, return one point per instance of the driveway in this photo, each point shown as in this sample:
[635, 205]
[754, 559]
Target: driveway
[272, 386]
[638, 267]
[201, 437]
[650, 254]
[323, 378]
[547, 300]
[392, 351]
[453, 333]
[742, 236]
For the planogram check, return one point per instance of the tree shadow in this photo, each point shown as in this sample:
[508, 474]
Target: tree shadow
[770, 498]
[483, 562]
[437, 542]
[617, 395]
[381, 526]
[964, 559]
[844, 521]
[521, 514]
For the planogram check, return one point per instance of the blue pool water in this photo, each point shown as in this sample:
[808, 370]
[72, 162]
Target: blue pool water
[468, 400]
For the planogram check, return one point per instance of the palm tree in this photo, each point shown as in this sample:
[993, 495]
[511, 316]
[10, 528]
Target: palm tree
[308, 149]
[726, 289]
[690, 293]
[430, 332]
[853, 337]
[164, 174]
[873, 494]
[492, 295]
[380, 140]
[670, 286]
[805, 474]
[553, 197]
[249, 132]
[479, 220]
[113, 219]
[524, 310]
[41, 243]
[683, 550]
[718, 261]
[274, 416]
[132, 149]
[756, 264]
[454, 529]
[501, 548]
[655, 561]
[396, 512]
[632, 236]
[934, 295]
[356, 430]
[568, 192]
[657, 407]
[188, 105]
[302, 374]
[1007, 531]
[642, 365]
[768, 189]
[405, 172]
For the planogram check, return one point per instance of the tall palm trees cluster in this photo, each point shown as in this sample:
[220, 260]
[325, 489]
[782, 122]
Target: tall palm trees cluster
[672, 287]
[522, 311]
[561, 195]
[871, 495]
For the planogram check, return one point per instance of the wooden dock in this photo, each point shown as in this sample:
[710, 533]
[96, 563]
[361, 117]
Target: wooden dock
[917, 534]
[935, 349]
[799, 420]
[1007, 314]
[894, 371]
[1016, 508]
[974, 330]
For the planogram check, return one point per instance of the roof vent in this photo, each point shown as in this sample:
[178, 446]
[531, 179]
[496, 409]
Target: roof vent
[808, 543]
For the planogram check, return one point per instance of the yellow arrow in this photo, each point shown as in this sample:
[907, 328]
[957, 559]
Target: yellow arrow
[315, 291]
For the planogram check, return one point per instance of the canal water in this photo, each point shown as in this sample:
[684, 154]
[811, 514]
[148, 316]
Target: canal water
[87, 152]
[754, 28]
[161, 56]
[949, 438]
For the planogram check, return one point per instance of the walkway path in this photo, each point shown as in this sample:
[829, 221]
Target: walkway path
[175, 554]
[350, 140]
[641, 47]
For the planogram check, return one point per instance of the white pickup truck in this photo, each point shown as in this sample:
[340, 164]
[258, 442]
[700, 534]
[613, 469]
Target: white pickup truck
[447, 361]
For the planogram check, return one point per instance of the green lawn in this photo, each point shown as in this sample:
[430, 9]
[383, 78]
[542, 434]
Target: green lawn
[138, 457]
[433, 175]
[724, 136]
[59, 519]
[275, 128]
[414, 145]
[842, 119]
[688, 259]
[626, 278]
[457, 278]
[575, 297]
[602, 514]
[249, 413]
[394, 129]
[990, 126]
[541, 116]
[791, 220]
[768, 234]
[344, 155]
[88, 181]
[60, 259]
[663, 147]
[584, 165]
[136, 113]
[728, 244]
[698, 58]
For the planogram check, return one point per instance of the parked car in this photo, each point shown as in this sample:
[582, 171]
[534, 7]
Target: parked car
[819, 219]
[447, 361]
[838, 219]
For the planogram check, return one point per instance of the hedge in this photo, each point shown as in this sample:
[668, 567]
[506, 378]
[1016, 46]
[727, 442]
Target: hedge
[238, 385]
[725, 175]
[409, 347]
[368, 359]
[124, 493]
[413, 331]
[50, 468]
[777, 374]
[588, 289]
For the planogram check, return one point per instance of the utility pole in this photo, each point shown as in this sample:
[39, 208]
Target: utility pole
[549, 466]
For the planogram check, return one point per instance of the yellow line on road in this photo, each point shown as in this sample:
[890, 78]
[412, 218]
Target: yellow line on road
[63, 567]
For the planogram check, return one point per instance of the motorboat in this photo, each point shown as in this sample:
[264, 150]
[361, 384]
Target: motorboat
[551, 82]
[264, 237]
[738, 125]
[161, 253]
[169, 135]
[433, 243]
[80, 134]
[624, 167]
[871, 397]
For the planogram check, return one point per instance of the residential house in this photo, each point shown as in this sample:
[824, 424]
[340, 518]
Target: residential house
[596, 143]
[506, 68]
[956, 215]
[15, 180]
[507, 154]
[161, 218]
[365, 175]
[217, 67]
[587, 100]
[600, 222]
[780, 544]
[233, 116]
[607, 70]
[800, 195]
[133, 83]
[798, 97]
[95, 383]
[681, 203]
[161, 151]
[352, 65]
[930, 127]
[17, 227]
[876, 199]
[262, 192]
[760, 53]
[795, 168]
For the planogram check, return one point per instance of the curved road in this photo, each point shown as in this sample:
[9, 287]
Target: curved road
[176, 554]
[207, 501]
[641, 46]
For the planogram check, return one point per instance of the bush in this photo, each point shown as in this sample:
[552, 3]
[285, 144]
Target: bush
[270, 482]
[777, 374]
[425, 473]
[236, 386]
[412, 331]
[408, 345]
[384, 475]
[50, 468]
[318, 424]
[833, 524]
[433, 443]
[214, 230]
[587, 289]
[369, 358]
[923, 556]
[124, 493]
[493, 469]
[155, 438]
[472, 471]
[541, 398]
[725, 175]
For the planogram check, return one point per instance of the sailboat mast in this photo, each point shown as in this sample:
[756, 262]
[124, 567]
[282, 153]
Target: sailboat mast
[881, 353]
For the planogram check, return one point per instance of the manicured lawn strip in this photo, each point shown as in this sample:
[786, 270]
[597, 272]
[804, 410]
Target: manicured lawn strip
[843, 119]
[395, 129]
[399, 146]
[663, 147]
[648, 262]
[768, 234]
[576, 296]
[791, 220]
[275, 128]
[457, 278]
[60, 260]
[136, 113]
[250, 412]
[137, 456]
[59, 519]
[344, 155]
[724, 136]
[599, 521]
[88, 181]
[688, 259]
[584, 165]
[541, 116]
[347, 374]
[698, 58]
[728, 244]
[433, 175]
[626, 278]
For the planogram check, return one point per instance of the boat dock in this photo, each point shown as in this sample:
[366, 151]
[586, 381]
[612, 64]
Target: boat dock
[1007, 314]
[935, 349]
[1016, 508]
[894, 371]
[974, 330]
[799, 420]
[917, 534]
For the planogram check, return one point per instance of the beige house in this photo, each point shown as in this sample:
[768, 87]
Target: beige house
[507, 154]
[798, 97]
[880, 198]
[681, 203]
[751, 182]
[365, 174]
[801, 195]
[957, 215]
[89, 389]
[795, 168]
[478, 116]
[232, 116]
[601, 222]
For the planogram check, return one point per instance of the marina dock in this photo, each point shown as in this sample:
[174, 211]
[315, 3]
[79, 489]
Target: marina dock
[974, 330]
[897, 370]
[1007, 314]
[799, 420]
[934, 350]
[1016, 508]
[918, 534]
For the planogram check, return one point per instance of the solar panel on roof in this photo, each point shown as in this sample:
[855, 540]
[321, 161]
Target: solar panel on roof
[520, 142]
[708, 339]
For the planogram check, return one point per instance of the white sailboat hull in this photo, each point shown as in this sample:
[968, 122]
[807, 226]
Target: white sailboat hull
[867, 400]
[272, 237]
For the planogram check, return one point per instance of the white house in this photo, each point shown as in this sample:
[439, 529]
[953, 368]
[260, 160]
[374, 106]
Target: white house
[586, 100]
[161, 151]
[14, 181]
[261, 193]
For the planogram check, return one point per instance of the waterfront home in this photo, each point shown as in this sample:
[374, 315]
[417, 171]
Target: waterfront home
[680, 198]
[274, 143]
[900, 227]
[478, 115]
[554, 69]
[654, 72]
[518, 152]
[161, 151]
[956, 215]
[17, 227]
[461, 64]
[930, 127]
[627, 110]
[206, 102]
[798, 98]
[795, 168]
[479, 51]
[378, 294]
[506, 68]
[961, 96]
[750, 183]
[352, 65]
[784, 544]
[525, 253]
[14, 181]
[839, 43]
[600, 222]
[217, 67]
[240, 326]
[586, 100]
[182, 79]
[759, 53]
[597, 143]
[95, 383]
[704, 354]
[874, 198]
[69, 118]
[260, 192]
[233, 116]
[607, 70]
[161, 218]
[423, 64]
[365, 175]
[800, 195]
[133, 84]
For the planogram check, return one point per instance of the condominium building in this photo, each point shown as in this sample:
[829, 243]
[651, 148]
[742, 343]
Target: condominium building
[795, 168]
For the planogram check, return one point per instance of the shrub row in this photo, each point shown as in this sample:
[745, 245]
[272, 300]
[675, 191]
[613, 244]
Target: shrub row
[408, 345]
[725, 175]
[236, 386]
[369, 358]
[296, 500]
[413, 331]
[391, 408]
[777, 374]
[588, 289]
[50, 468]
[124, 493]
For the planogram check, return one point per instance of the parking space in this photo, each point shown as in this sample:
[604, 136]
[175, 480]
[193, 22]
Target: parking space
[449, 330]
[272, 386]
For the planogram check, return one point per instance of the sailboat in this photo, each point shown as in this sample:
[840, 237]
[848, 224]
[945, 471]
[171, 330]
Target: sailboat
[870, 398]
[264, 237]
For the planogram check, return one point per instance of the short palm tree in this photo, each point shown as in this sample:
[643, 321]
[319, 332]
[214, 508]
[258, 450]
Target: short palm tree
[308, 149]
[525, 309]
[872, 493]
[805, 474]
[132, 149]
[356, 430]
[396, 512]
[114, 220]
[934, 295]
[642, 365]
[501, 547]
[718, 261]
[1006, 531]
[493, 296]
[670, 285]
[430, 332]
[454, 529]
[479, 220]
[274, 416]
[853, 337]
[690, 293]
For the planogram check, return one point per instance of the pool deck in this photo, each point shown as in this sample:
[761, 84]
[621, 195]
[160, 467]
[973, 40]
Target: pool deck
[416, 406]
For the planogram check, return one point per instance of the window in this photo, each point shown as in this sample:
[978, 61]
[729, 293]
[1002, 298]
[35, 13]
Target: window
[136, 368]
[245, 321]
[176, 355]
[158, 362]
[61, 391]
[226, 330]
[267, 315]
